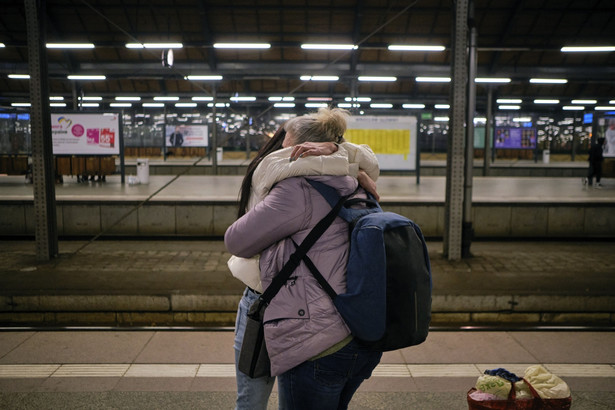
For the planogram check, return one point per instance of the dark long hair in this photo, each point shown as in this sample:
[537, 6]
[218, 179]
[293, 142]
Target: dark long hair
[274, 144]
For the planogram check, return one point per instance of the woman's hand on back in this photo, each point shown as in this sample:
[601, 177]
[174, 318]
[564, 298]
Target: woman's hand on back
[315, 149]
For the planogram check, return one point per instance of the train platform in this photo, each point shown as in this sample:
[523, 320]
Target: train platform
[190, 369]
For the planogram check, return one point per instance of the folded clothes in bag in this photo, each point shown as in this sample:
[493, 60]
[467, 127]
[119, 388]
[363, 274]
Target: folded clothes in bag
[538, 389]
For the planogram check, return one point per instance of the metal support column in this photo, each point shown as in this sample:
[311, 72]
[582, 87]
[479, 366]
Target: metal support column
[487, 157]
[214, 136]
[43, 172]
[467, 230]
[453, 207]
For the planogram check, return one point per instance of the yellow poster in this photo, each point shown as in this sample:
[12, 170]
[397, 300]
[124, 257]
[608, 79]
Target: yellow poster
[381, 141]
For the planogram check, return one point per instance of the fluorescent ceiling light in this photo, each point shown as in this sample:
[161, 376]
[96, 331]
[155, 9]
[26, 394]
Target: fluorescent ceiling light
[329, 46]
[284, 105]
[522, 119]
[70, 45]
[19, 76]
[90, 98]
[219, 105]
[169, 98]
[320, 99]
[433, 79]
[492, 80]
[380, 105]
[22, 104]
[202, 98]
[509, 107]
[319, 78]
[584, 102]
[480, 119]
[185, 105]
[375, 78]
[127, 98]
[242, 45]
[548, 80]
[440, 119]
[56, 98]
[358, 99]
[604, 108]
[573, 108]
[591, 49]
[57, 104]
[2, 45]
[152, 105]
[317, 105]
[91, 105]
[204, 77]
[86, 77]
[120, 105]
[508, 101]
[349, 105]
[243, 98]
[545, 101]
[442, 106]
[612, 102]
[154, 45]
[280, 98]
[413, 106]
[409, 47]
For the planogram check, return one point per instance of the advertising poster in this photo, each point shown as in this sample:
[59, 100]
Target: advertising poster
[393, 139]
[85, 134]
[514, 138]
[186, 135]
[609, 137]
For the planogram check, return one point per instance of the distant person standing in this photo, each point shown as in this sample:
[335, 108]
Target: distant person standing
[610, 138]
[596, 157]
[176, 138]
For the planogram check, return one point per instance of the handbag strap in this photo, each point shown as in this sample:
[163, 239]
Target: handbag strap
[295, 259]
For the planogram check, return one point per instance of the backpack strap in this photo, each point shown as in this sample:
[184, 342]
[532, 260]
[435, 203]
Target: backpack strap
[321, 280]
[346, 212]
[300, 253]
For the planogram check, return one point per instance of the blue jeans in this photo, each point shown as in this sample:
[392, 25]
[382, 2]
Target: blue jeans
[328, 382]
[252, 394]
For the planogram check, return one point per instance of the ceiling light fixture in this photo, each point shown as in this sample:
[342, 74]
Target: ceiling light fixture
[548, 80]
[316, 105]
[358, 99]
[413, 106]
[309, 46]
[89, 105]
[21, 104]
[57, 104]
[202, 98]
[185, 105]
[381, 105]
[320, 99]
[169, 98]
[56, 98]
[203, 77]
[349, 105]
[319, 78]
[442, 106]
[573, 108]
[591, 49]
[127, 98]
[86, 77]
[90, 98]
[441, 119]
[243, 98]
[545, 101]
[19, 76]
[152, 105]
[509, 107]
[67, 46]
[409, 47]
[280, 98]
[154, 45]
[284, 105]
[376, 78]
[120, 105]
[243, 45]
[433, 79]
[492, 80]
[604, 108]
[508, 101]
[589, 102]
[2, 45]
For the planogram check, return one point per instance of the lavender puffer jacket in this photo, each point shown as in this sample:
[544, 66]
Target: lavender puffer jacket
[301, 320]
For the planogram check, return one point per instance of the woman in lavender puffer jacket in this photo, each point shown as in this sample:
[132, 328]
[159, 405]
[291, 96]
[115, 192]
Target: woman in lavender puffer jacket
[311, 349]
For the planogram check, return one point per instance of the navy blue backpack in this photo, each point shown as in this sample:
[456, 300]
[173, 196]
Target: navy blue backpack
[387, 304]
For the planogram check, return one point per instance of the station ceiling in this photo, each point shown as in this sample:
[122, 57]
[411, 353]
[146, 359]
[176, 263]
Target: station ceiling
[517, 39]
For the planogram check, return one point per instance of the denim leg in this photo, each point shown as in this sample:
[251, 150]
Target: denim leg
[329, 382]
[252, 394]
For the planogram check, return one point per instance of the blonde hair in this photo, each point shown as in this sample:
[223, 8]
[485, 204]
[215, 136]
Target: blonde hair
[327, 125]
